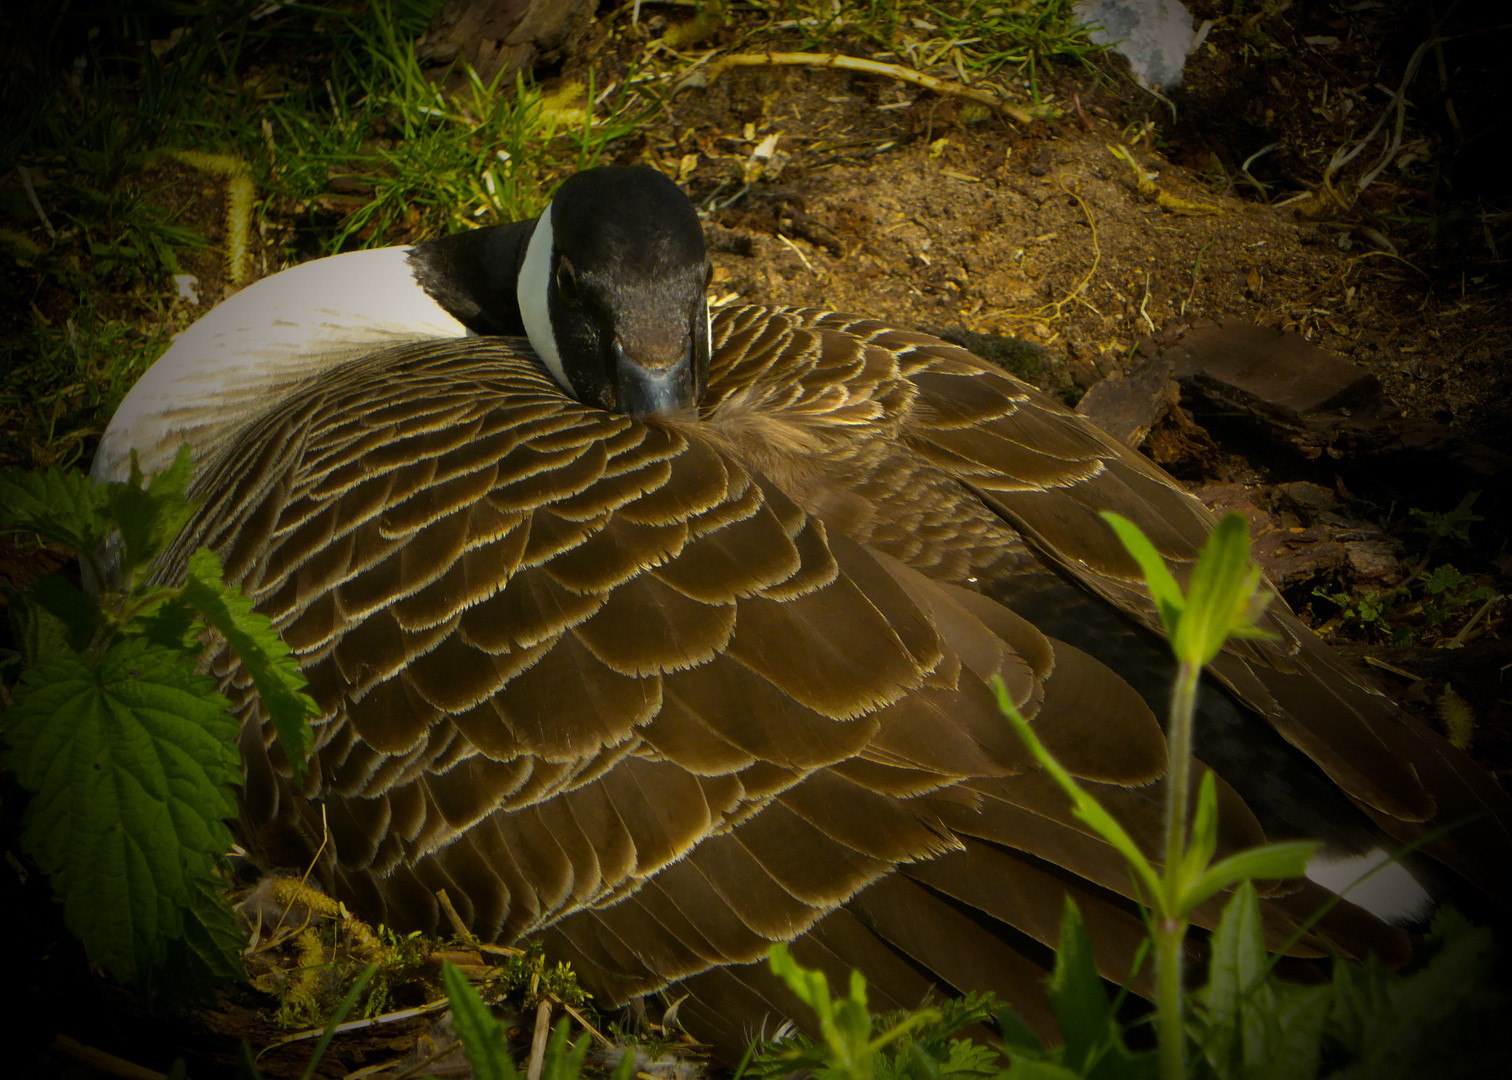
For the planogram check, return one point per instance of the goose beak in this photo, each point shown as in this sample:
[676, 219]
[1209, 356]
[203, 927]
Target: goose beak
[647, 389]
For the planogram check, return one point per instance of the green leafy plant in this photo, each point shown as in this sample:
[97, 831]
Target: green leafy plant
[1442, 596]
[1448, 525]
[485, 1045]
[129, 753]
[1442, 1020]
[847, 1046]
[1372, 610]
[528, 974]
[1093, 1044]
[1446, 591]
[1220, 603]
[923, 1047]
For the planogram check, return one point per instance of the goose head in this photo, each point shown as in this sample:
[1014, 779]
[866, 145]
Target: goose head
[612, 292]
[608, 285]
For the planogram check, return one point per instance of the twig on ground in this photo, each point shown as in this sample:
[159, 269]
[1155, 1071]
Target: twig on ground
[538, 1040]
[799, 253]
[716, 68]
[581, 1019]
[358, 1025]
[99, 1060]
[31, 193]
[1081, 112]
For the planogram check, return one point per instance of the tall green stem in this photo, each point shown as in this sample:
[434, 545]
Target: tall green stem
[1170, 935]
[1170, 926]
[1178, 772]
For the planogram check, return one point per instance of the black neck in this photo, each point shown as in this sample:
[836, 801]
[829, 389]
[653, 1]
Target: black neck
[473, 275]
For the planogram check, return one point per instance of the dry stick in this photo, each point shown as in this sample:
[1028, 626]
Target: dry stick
[538, 1040]
[103, 1062]
[31, 193]
[1459, 638]
[852, 63]
[398, 1016]
[798, 253]
[581, 1019]
[1397, 104]
[459, 928]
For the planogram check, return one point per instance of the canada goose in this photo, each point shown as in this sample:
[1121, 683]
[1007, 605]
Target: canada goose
[663, 684]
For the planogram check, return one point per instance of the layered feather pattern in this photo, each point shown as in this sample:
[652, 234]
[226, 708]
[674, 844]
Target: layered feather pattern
[663, 692]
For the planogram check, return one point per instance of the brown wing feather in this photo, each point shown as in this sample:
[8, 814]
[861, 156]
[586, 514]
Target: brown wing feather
[662, 693]
[1046, 473]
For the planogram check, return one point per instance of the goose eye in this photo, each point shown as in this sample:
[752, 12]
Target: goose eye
[566, 281]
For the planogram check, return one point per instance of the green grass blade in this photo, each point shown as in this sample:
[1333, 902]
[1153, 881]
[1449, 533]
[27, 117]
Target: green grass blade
[1083, 805]
[1271, 862]
[483, 1039]
[1163, 588]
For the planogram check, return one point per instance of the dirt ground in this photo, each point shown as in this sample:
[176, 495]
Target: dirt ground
[901, 204]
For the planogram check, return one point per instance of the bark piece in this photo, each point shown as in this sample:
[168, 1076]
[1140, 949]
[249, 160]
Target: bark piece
[1128, 404]
[1316, 402]
[1377, 559]
[1269, 370]
[500, 37]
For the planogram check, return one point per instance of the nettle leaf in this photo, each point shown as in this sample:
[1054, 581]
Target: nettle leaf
[261, 651]
[49, 616]
[172, 624]
[1446, 1019]
[212, 934]
[132, 761]
[1292, 1019]
[1018, 1037]
[150, 515]
[964, 1058]
[1238, 953]
[206, 955]
[64, 507]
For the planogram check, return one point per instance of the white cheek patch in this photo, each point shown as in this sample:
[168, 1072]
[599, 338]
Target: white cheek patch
[533, 290]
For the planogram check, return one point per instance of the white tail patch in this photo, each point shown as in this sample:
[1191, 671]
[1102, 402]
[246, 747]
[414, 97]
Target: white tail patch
[1389, 893]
